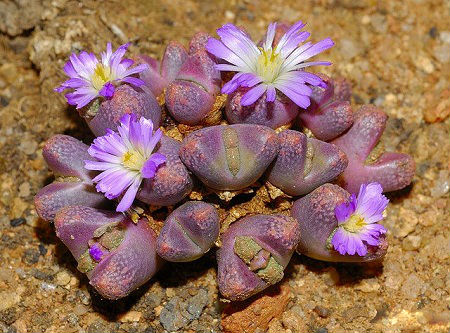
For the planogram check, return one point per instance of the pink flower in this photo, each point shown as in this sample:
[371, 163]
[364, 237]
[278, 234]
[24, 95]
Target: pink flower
[268, 68]
[125, 158]
[90, 78]
[358, 221]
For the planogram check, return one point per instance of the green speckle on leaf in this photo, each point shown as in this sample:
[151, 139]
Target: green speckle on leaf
[85, 262]
[246, 248]
[273, 272]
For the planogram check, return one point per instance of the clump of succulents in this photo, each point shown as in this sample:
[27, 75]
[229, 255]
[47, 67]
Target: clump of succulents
[239, 109]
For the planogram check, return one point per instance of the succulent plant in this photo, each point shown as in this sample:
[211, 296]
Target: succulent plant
[254, 253]
[99, 93]
[367, 162]
[191, 96]
[188, 232]
[330, 113]
[158, 75]
[229, 157]
[281, 111]
[116, 254]
[132, 162]
[276, 65]
[172, 183]
[126, 100]
[316, 214]
[304, 163]
[65, 155]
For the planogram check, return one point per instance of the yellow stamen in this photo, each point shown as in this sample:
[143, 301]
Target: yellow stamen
[102, 74]
[355, 223]
[269, 65]
[133, 160]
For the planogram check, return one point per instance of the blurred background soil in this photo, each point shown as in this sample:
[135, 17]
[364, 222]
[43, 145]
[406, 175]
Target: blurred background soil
[397, 56]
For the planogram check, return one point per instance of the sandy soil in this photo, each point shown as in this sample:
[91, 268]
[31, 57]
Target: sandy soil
[397, 55]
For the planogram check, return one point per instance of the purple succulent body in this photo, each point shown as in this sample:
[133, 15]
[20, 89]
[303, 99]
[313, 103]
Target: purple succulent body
[316, 215]
[268, 68]
[158, 75]
[229, 157]
[51, 198]
[358, 219]
[125, 159]
[303, 164]
[65, 156]
[130, 257]
[188, 102]
[280, 112]
[254, 252]
[172, 183]
[91, 78]
[191, 96]
[126, 100]
[392, 170]
[330, 113]
[188, 232]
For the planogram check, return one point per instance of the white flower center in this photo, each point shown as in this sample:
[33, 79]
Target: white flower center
[133, 160]
[269, 65]
[102, 74]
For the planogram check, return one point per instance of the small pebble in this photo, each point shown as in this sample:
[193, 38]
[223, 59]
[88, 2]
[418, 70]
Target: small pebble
[24, 190]
[16, 222]
[21, 273]
[29, 147]
[62, 278]
[40, 275]
[4, 101]
[442, 184]
[131, 316]
[47, 286]
[97, 327]
[322, 311]
[442, 53]
[424, 64]
[368, 286]
[84, 297]
[197, 303]
[433, 32]
[9, 299]
[42, 249]
[72, 319]
[379, 23]
[31, 256]
[350, 49]
[411, 243]
[229, 15]
[80, 309]
[413, 286]
[445, 36]
[322, 330]
[365, 19]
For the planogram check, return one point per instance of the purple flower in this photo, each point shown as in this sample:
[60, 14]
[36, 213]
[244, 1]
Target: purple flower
[96, 252]
[357, 221]
[90, 78]
[265, 69]
[125, 158]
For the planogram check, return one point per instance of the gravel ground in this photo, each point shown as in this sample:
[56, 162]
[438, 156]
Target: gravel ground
[397, 55]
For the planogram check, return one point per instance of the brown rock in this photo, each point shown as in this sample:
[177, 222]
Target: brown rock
[294, 319]
[256, 313]
[131, 316]
[439, 110]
